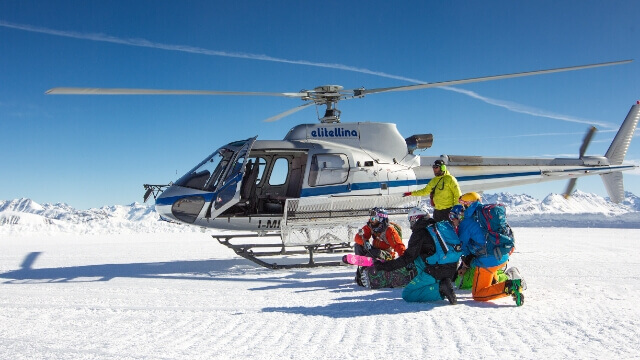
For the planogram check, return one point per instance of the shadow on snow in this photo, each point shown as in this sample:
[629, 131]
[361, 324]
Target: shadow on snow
[359, 302]
[220, 270]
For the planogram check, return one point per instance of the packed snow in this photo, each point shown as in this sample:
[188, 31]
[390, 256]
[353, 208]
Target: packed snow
[116, 283]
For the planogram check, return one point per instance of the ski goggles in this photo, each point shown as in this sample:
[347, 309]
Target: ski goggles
[376, 216]
[456, 216]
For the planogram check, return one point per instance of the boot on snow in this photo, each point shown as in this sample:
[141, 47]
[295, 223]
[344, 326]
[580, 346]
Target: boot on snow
[446, 291]
[513, 273]
[514, 288]
[362, 277]
[359, 276]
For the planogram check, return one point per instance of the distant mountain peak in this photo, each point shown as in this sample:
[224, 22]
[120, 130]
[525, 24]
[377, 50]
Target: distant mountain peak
[20, 205]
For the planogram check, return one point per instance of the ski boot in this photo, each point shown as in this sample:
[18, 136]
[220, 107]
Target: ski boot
[513, 273]
[446, 291]
[514, 288]
[362, 277]
[358, 278]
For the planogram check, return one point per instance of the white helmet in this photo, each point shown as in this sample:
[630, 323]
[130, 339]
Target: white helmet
[416, 214]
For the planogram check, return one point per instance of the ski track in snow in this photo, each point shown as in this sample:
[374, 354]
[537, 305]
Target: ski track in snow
[183, 295]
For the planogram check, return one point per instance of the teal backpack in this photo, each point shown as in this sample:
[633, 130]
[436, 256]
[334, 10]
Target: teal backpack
[493, 220]
[447, 245]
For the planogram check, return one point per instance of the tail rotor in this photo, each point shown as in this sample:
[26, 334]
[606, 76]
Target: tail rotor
[585, 143]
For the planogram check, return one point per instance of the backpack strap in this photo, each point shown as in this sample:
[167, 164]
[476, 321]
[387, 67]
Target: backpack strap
[383, 237]
[438, 237]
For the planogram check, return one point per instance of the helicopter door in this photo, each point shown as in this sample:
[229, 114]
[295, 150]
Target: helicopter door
[230, 190]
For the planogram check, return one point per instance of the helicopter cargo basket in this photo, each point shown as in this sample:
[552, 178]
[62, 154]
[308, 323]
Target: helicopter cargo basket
[308, 221]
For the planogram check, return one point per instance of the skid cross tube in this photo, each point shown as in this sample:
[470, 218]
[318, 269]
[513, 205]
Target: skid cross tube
[246, 251]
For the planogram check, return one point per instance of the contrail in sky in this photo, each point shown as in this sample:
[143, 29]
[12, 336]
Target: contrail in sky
[543, 134]
[195, 50]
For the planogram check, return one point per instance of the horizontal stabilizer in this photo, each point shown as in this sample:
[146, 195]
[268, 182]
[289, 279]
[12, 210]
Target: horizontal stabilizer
[614, 185]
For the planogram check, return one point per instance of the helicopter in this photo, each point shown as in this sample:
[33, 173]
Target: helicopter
[314, 188]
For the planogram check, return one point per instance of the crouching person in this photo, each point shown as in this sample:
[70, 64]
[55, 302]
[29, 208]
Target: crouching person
[487, 244]
[385, 240]
[434, 250]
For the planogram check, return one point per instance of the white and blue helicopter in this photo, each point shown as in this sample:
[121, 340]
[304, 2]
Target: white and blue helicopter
[315, 187]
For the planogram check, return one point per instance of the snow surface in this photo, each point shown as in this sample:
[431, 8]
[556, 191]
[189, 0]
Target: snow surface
[115, 283]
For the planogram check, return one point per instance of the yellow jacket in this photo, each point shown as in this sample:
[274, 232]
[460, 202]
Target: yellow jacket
[447, 191]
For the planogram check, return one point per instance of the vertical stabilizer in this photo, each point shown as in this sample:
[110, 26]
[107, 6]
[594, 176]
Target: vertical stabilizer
[614, 185]
[616, 153]
[620, 143]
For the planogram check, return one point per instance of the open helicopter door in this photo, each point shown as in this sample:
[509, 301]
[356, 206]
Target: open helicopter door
[229, 192]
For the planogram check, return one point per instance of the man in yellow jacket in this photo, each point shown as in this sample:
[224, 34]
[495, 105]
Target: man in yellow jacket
[443, 189]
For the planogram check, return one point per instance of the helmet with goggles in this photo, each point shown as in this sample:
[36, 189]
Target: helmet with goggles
[379, 219]
[416, 214]
[469, 198]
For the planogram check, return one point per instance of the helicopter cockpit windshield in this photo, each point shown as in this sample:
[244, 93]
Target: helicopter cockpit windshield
[209, 173]
[206, 175]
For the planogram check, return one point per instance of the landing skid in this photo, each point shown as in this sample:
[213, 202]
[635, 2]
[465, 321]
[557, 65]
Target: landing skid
[246, 251]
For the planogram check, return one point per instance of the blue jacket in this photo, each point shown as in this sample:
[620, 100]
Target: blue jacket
[474, 240]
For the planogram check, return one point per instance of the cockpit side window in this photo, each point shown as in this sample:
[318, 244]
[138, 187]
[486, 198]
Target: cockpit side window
[280, 172]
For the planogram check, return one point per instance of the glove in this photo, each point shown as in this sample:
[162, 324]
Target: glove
[385, 255]
[462, 270]
[406, 194]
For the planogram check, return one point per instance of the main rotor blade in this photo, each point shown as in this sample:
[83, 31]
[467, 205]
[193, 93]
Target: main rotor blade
[288, 112]
[487, 78]
[115, 91]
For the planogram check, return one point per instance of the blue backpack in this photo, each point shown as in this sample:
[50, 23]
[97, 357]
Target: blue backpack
[448, 246]
[493, 220]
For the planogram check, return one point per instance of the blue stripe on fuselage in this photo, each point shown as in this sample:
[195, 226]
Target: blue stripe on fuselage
[341, 189]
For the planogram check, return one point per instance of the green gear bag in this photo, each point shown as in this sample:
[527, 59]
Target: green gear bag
[397, 228]
[465, 282]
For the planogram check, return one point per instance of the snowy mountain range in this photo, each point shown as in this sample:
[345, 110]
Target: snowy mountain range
[581, 210]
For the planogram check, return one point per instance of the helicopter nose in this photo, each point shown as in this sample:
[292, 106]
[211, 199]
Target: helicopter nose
[163, 206]
[180, 204]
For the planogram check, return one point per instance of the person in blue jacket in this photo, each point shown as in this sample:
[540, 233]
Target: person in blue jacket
[473, 239]
[433, 281]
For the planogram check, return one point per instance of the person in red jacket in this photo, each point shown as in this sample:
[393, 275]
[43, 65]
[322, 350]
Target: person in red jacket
[385, 240]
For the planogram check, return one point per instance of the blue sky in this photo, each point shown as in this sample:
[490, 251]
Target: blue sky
[90, 151]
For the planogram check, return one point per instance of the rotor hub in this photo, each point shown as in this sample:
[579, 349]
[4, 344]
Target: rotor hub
[328, 88]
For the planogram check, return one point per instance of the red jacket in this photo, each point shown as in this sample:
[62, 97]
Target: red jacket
[393, 243]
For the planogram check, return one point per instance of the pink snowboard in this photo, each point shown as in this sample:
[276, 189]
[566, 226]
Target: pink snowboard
[357, 260]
